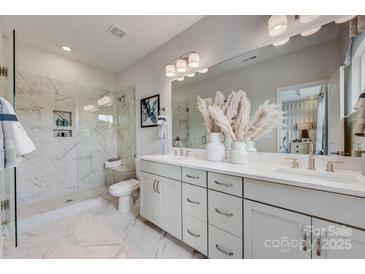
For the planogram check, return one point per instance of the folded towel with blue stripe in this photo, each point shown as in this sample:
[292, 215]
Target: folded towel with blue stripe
[14, 141]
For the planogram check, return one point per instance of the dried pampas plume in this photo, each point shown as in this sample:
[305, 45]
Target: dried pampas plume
[217, 114]
[233, 116]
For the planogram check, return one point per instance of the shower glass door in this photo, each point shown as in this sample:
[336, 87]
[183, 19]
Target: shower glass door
[8, 236]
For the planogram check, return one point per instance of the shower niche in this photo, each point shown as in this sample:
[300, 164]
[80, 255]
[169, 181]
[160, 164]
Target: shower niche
[62, 121]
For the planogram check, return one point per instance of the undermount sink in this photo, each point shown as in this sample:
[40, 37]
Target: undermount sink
[320, 175]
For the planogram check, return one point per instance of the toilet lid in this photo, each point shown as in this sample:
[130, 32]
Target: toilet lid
[129, 184]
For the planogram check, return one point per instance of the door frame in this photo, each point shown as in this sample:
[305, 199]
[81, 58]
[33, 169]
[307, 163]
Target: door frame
[286, 88]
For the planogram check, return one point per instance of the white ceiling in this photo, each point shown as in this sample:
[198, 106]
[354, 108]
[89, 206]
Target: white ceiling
[89, 40]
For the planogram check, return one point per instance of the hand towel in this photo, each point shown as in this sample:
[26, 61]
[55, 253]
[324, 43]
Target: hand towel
[14, 143]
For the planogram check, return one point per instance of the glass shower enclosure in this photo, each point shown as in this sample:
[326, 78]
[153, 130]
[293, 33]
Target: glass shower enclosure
[8, 218]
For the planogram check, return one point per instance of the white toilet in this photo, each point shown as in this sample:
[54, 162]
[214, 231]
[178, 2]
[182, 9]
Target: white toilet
[125, 191]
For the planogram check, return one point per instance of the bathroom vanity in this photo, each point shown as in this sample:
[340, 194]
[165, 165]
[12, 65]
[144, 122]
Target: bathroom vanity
[260, 210]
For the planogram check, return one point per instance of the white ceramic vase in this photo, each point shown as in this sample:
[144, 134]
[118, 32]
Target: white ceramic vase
[215, 148]
[238, 153]
[251, 146]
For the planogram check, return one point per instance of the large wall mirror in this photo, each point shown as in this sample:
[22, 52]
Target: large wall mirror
[306, 76]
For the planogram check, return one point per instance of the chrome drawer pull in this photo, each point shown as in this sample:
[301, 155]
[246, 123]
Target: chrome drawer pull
[223, 213]
[158, 186]
[154, 186]
[192, 177]
[222, 184]
[227, 253]
[193, 202]
[193, 234]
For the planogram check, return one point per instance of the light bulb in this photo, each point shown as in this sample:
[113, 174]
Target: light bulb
[181, 66]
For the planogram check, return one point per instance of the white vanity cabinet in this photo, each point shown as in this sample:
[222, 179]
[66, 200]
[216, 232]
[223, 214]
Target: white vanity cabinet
[270, 232]
[334, 241]
[226, 216]
[161, 197]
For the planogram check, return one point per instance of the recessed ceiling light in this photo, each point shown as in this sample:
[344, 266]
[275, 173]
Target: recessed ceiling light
[66, 48]
[281, 42]
[311, 31]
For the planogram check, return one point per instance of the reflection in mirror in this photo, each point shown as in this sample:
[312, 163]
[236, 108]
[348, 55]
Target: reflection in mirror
[306, 76]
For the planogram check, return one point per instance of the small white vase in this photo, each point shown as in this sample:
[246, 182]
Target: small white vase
[238, 153]
[215, 148]
[251, 146]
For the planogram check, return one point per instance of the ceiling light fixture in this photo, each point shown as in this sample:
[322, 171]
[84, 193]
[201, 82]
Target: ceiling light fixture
[307, 18]
[193, 60]
[277, 24]
[180, 78]
[204, 70]
[281, 42]
[66, 48]
[190, 75]
[345, 19]
[181, 66]
[311, 31]
[170, 70]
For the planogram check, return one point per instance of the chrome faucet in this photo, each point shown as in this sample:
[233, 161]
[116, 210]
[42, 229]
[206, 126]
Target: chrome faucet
[330, 167]
[295, 163]
[179, 144]
[311, 158]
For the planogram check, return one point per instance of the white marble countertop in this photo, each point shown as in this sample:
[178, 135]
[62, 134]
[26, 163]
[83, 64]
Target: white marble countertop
[342, 181]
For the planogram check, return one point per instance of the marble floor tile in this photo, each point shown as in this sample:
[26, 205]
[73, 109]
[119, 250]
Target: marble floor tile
[95, 229]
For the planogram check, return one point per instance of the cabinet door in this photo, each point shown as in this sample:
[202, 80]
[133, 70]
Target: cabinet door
[334, 241]
[150, 198]
[274, 233]
[170, 205]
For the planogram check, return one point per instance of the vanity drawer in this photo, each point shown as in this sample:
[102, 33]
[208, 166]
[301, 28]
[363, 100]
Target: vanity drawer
[195, 233]
[194, 176]
[194, 201]
[340, 208]
[225, 183]
[225, 212]
[223, 245]
[164, 170]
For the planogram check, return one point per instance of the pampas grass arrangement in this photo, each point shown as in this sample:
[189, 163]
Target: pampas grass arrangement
[233, 116]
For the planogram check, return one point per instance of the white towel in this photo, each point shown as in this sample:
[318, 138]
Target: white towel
[162, 127]
[14, 141]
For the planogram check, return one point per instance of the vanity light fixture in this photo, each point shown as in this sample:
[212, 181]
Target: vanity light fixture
[90, 108]
[190, 75]
[104, 101]
[311, 31]
[193, 60]
[307, 18]
[170, 70]
[181, 66]
[277, 24]
[66, 48]
[180, 78]
[204, 70]
[345, 19]
[281, 42]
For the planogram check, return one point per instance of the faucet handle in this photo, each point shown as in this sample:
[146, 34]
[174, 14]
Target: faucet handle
[330, 167]
[295, 163]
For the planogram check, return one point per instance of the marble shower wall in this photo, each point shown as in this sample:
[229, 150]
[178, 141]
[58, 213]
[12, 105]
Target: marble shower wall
[125, 107]
[63, 168]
